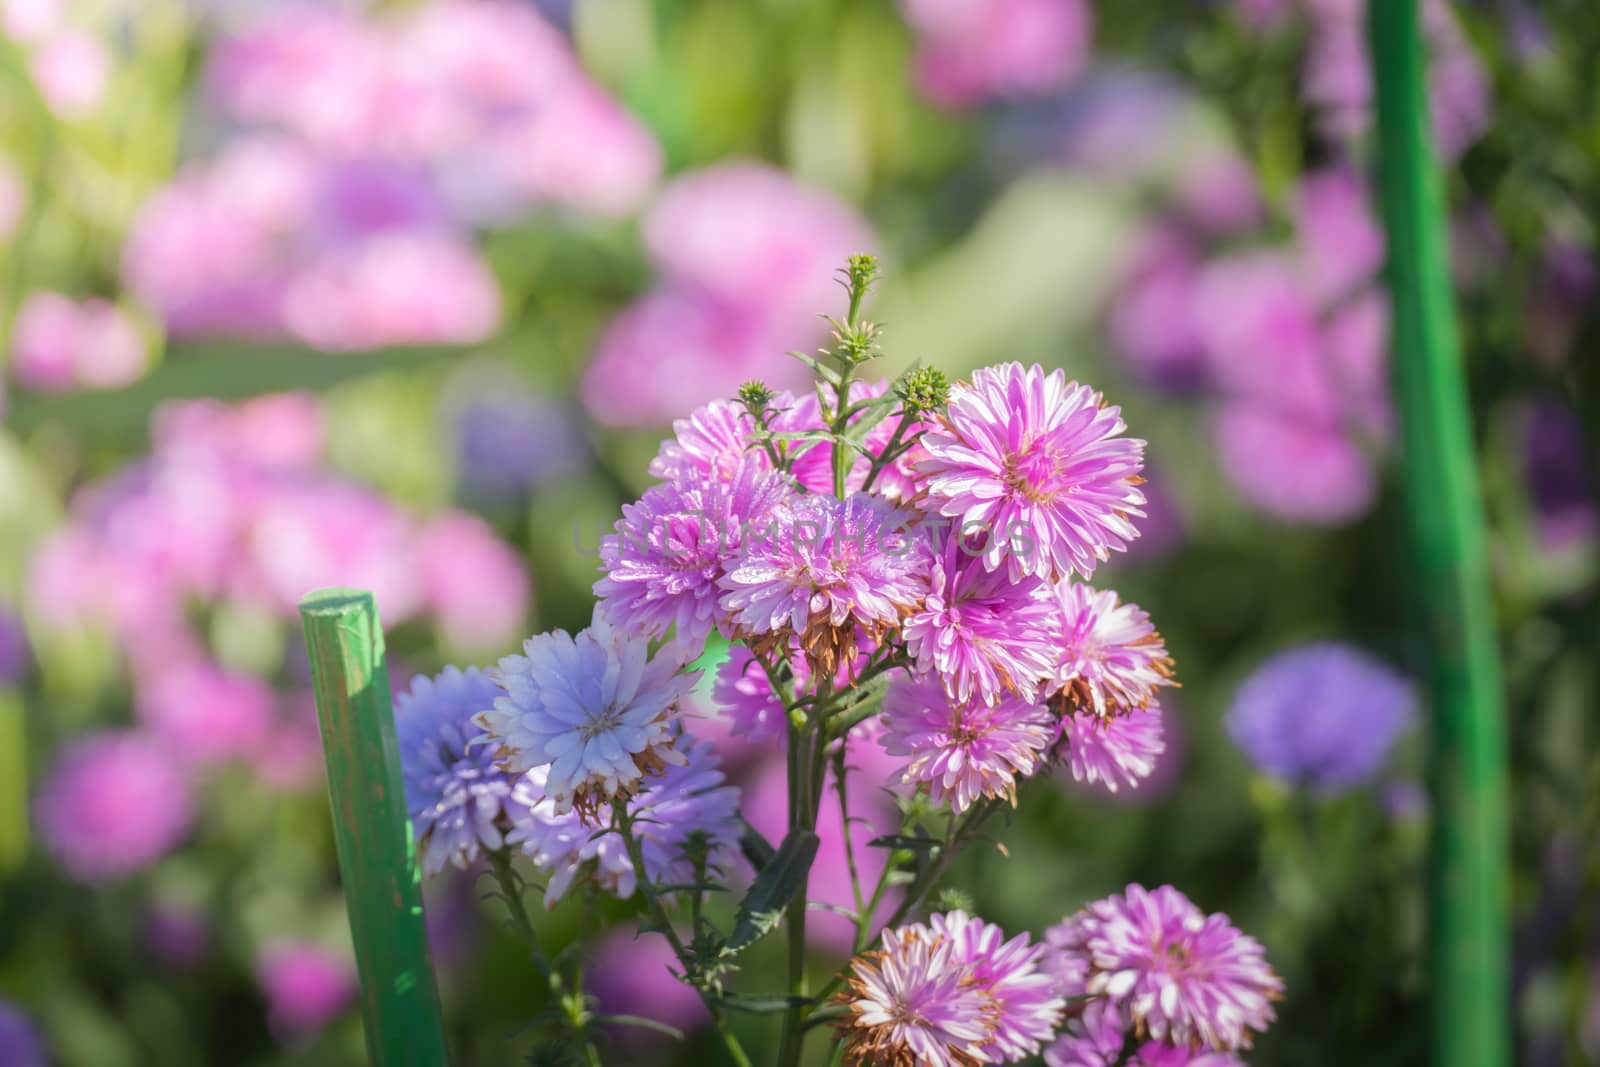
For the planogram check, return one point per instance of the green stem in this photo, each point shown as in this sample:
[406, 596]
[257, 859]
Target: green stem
[1468, 916]
[658, 914]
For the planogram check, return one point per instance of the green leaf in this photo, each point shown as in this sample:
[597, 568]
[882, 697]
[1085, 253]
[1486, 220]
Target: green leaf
[755, 846]
[906, 841]
[879, 408]
[821, 370]
[770, 893]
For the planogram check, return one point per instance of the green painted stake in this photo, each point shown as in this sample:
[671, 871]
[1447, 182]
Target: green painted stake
[377, 858]
[1469, 872]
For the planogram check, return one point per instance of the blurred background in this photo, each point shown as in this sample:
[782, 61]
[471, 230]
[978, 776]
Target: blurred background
[404, 295]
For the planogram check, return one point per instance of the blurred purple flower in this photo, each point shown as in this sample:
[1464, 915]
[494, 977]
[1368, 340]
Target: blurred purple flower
[178, 935]
[1292, 469]
[114, 803]
[21, 1044]
[1340, 241]
[305, 987]
[631, 972]
[1322, 715]
[14, 654]
[1557, 470]
[507, 437]
[1152, 322]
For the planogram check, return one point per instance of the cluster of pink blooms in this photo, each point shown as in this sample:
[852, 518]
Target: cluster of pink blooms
[364, 151]
[742, 252]
[972, 51]
[919, 551]
[1287, 345]
[59, 344]
[219, 531]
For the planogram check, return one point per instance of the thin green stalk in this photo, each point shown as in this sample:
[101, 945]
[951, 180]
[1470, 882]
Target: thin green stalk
[658, 914]
[1468, 882]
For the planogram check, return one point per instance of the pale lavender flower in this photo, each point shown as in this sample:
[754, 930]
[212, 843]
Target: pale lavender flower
[963, 751]
[596, 709]
[839, 574]
[690, 797]
[1176, 974]
[1110, 659]
[21, 1044]
[1027, 1006]
[1113, 752]
[1324, 715]
[672, 547]
[981, 634]
[1037, 464]
[114, 803]
[910, 1004]
[460, 802]
[305, 986]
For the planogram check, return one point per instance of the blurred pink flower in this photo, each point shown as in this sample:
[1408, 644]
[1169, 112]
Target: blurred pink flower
[114, 803]
[206, 714]
[396, 288]
[1340, 241]
[747, 256]
[1291, 468]
[60, 345]
[72, 70]
[28, 21]
[582, 150]
[970, 51]
[1153, 322]
[305, 986]
[473, 583]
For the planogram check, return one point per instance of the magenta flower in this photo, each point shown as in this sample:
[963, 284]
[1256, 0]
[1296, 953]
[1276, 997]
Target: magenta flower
[1036, 464]
[1113, 752]
[113, 804]
[1027, 1006]
[61, 345]
[671, 548]
[713, 442]
[812, 462]
[837, 574]
[1110, 657]
[629, 973]
[207, 714]
[743, 692]
[963, 751]
[911, 1004]
[597, 709]
[305, 985]
[980, 633]
[1174, 973]
[475, 583]
[971, 52]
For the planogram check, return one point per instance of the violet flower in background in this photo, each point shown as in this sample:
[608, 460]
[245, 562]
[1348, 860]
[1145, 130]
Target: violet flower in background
[178, 935]
[21, 1044]
[507, 437]
[113, 803]
[630, 972]
[1323, 716]
[745, 255]
[1559, 475]
[305, 986]
[14, 654]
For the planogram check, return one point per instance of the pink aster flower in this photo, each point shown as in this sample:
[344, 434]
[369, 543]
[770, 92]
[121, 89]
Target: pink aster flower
[963, 751]
[596, 709]
[113, 804]
[1121, 750]
[1110, 657]
[837, 574]
[911, 1004]
[670, 549]
[305, 985]
[1027, 1006]
[1174, 973]
[981, 634]
[1037, 463]
[713, 442]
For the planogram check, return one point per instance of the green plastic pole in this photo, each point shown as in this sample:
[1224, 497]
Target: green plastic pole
[1469, 872]
[377, 857]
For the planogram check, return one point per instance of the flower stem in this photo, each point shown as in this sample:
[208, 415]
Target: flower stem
[658, 914]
